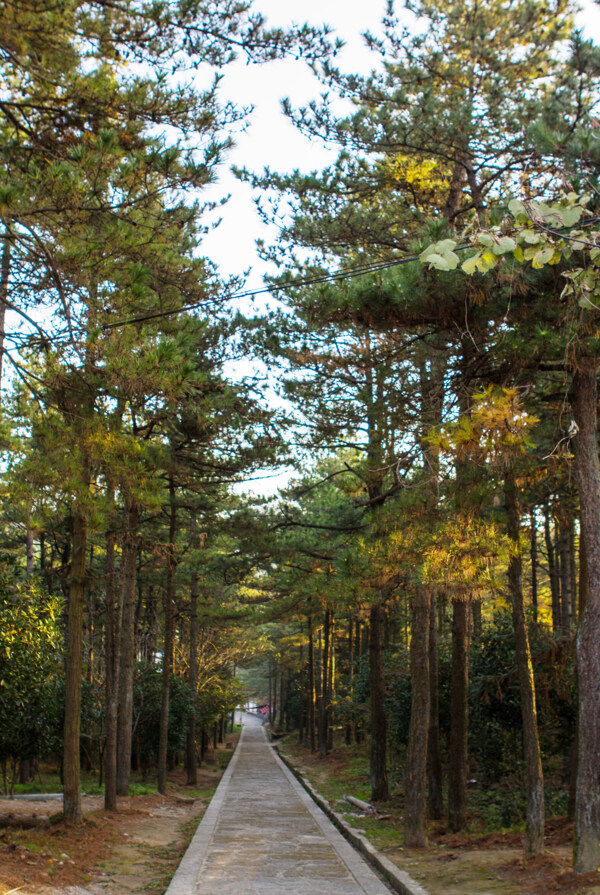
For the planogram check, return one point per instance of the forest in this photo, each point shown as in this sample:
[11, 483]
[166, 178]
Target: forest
[426, 586]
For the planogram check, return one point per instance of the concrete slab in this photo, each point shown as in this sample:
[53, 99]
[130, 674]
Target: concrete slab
[262, 833]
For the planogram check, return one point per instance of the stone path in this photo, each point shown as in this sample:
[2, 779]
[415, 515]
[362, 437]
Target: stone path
[262, 833]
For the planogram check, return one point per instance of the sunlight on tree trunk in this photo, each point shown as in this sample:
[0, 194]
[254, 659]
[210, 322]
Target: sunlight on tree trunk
[585, 443]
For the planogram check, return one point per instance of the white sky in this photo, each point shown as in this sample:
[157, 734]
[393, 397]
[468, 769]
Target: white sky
[271, 139]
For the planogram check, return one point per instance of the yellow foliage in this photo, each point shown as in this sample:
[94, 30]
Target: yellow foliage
[425, 178]
[496, 429]
[462, 558]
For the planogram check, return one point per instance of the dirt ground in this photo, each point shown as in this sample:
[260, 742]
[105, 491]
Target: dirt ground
[494, 865]
[131, 851]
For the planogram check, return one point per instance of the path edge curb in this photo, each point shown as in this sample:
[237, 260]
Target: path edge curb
[398, 879]
[186, 873]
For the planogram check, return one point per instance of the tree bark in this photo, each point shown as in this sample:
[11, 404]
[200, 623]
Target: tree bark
[311, 686]
[415, 791]
[587, 802]
[358, 651]
[348, 736]
[30, 568]
[324, 695]
[565, 543]
[191, 765]
[533, 556]
[163, 741]
[583, 579]
[4, 277]
[459, 717]
[127, 664]
[378, 751]
[330, 682]
[435, 801]
[112, 647]
[74, 663]
[534, 822]
[553, 570]
[282, 692]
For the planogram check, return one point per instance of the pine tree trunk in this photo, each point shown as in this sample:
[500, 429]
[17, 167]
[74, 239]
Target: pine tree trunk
[564, 542]
[270, 715]
[582, 595]
[552, 570]
[348, 736]
[533, 556]
[191, 765]
[324, 696]
[573, 573]
[459, 717]
[90, 625]
[583, 578]
[534, 821]
[435, 801]
[303, 719]
[4, 277]
[30, 566]
[273, 694]
[311, 686]
[378, 751]
[112, 647]
[415, 790]
[359, 652]
[74, 667]
[127, 664]
[167, 663]
[282, 699]
[330, 681]
[585, 443]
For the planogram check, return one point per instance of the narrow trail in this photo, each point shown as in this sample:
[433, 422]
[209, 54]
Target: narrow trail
[262, 833]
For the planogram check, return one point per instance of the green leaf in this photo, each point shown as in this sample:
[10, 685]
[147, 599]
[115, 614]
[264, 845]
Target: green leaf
[437, 261]
[445, 245]
[438, 248]
[542, 257]
[516, 208]
[488, 260]
[471, 264]
[505, 245]
[571, 216]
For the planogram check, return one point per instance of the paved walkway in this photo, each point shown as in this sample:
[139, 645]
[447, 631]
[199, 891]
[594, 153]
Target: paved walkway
[262, 833]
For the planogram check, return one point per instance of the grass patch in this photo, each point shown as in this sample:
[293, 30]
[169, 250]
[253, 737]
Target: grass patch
[142, 789]
[223, 758]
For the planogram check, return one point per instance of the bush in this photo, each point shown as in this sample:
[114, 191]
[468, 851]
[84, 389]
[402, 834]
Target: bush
[30, 665]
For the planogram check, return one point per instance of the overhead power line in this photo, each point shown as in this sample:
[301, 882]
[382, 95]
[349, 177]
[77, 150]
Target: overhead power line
[344, 274]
